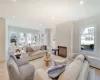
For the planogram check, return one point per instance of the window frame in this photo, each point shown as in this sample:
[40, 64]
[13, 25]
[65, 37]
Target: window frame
[95, 38]
[20, 38]
[30, 37]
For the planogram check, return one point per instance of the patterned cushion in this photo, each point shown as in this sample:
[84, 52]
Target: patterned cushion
[56, 71]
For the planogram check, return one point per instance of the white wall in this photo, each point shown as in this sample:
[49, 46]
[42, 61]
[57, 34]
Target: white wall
[48, 37]
[63, 35]
[95, 20]
[2, 39]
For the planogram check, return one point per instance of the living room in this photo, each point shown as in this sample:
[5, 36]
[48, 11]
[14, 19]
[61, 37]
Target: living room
[44, 40]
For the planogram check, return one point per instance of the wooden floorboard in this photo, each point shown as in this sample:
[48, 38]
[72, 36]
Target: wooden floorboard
[97, 74]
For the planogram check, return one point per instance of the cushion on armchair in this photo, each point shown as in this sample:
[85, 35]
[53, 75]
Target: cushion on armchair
[22, 61]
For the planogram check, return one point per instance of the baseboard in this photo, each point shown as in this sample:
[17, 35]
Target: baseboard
[95, 67]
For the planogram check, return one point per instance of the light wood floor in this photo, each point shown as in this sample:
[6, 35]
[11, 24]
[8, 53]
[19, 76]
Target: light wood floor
[94, 73]
[97, 74]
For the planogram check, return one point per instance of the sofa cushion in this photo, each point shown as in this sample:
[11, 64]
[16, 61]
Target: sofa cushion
[22, 61]
[42, 75]
[38, 53]
[80, 57]
[60, 62]
[35, 48]
[56, 71]
[29, 50]
[72, 71]
[26, 71]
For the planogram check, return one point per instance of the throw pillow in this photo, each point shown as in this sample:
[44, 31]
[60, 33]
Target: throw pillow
[29, 50]
[55, 72]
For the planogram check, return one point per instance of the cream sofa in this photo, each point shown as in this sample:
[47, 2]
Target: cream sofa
[34, 52]
[77, 70]
[30, 52]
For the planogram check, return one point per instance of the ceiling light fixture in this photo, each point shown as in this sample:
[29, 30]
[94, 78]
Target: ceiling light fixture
[53, 18]
[13, 17]
[40, 24]
[81, 2]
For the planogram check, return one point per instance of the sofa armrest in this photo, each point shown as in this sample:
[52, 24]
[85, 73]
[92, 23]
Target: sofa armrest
[84, 71]
[22, 61]
[42, 75]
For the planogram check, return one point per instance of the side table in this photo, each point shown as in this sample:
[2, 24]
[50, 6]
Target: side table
[47, 61]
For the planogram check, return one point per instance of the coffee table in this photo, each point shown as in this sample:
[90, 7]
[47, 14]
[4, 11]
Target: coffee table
[40, 63]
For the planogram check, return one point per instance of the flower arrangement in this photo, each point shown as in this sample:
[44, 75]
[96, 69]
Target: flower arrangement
[47, 55]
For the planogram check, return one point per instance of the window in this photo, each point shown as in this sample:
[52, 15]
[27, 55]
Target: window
[34, 38]
[29, 36]
[22, 38]
[87, 38]
[13, 38]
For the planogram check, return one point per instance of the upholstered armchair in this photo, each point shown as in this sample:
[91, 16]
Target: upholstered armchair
[20, 70]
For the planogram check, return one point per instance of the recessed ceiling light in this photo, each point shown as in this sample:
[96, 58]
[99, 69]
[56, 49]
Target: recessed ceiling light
[13, 17]
[40, 24]
[81, 2]
[53, 18]
[14, 0]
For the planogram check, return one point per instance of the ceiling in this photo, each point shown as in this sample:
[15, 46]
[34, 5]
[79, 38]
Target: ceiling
[48, 13]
